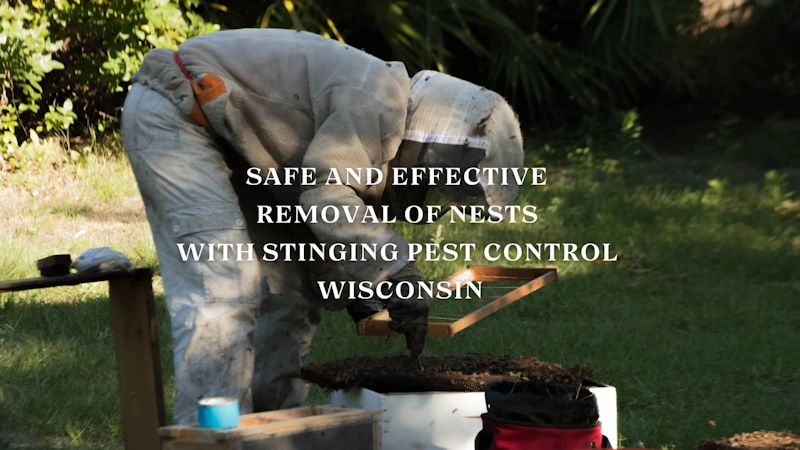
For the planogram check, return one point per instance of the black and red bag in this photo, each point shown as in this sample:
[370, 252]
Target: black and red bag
[540, 416]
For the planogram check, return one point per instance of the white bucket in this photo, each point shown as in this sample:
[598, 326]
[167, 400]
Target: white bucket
[446, 420]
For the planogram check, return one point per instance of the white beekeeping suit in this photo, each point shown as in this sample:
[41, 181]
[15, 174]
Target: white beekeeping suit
[453, 123]
[195, 120]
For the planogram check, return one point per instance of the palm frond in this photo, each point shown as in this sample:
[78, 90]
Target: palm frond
[515, 45]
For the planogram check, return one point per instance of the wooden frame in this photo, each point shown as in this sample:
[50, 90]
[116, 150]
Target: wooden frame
[378, 324]
[268, 429]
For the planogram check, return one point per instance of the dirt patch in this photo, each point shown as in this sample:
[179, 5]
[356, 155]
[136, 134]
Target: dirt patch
[759, 440]
[470, 373]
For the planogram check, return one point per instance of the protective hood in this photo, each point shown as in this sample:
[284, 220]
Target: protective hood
[451, 112]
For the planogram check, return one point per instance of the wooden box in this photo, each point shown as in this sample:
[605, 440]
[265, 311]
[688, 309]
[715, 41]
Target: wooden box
[313, 427]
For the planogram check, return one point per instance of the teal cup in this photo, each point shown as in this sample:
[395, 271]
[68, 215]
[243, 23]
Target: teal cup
[218, 413]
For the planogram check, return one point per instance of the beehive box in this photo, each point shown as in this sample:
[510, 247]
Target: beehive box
[447, 420]
[298, 428]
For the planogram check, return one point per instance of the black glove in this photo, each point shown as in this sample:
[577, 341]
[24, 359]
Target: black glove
[410, 316]
[361, 309]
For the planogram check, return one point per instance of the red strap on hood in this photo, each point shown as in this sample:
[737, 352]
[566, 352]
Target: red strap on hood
[205, 90]
[180, 64]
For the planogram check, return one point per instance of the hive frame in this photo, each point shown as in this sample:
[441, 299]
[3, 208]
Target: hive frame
[378, 323]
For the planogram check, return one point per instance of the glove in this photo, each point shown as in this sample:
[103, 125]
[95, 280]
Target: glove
[410, 316]
[361, 309]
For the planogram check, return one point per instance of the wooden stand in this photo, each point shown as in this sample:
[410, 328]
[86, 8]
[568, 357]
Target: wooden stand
[299, 428]
[133, 322]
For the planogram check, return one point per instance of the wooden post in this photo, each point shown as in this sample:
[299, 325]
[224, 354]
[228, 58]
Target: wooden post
[141, 394]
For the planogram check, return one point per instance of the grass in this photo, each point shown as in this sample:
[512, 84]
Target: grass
[696, 324]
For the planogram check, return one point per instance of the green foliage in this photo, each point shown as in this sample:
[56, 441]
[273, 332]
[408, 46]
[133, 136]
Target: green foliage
[596, 143]
[563, 58]
[26, 55]
[299, 14]
[29, 153]
[551, 55]
[60, 117]
[773, 143]
[591, 54]
[107, 39]
[100, 44]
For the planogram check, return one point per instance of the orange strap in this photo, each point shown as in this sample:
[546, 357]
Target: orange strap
[207, 89]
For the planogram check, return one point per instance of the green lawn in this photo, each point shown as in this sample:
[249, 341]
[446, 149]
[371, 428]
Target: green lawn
[697, 324]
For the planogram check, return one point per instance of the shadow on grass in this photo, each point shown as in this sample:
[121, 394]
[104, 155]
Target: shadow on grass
[80, 210]
[58, 378]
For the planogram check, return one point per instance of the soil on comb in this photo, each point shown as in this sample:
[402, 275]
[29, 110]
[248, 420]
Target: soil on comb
[469, 373]
[758, 440]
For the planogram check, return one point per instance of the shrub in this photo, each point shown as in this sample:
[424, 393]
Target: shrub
[99, 44]
[549, 57]
[26, 55]
[106, 41]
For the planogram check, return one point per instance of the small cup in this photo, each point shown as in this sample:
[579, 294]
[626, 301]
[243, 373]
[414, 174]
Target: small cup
[218, 413]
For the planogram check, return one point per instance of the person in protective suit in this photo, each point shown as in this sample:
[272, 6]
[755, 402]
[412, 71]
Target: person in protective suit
[195, 120]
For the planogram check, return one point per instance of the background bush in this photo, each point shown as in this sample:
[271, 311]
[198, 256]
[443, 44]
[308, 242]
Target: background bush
[68, 60]
[26, 56]
[66, 63]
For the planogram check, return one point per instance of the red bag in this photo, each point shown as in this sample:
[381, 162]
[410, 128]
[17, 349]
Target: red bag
[498, 435]
[540, 416]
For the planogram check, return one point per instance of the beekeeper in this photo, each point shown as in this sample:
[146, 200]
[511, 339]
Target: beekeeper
[195, 120]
